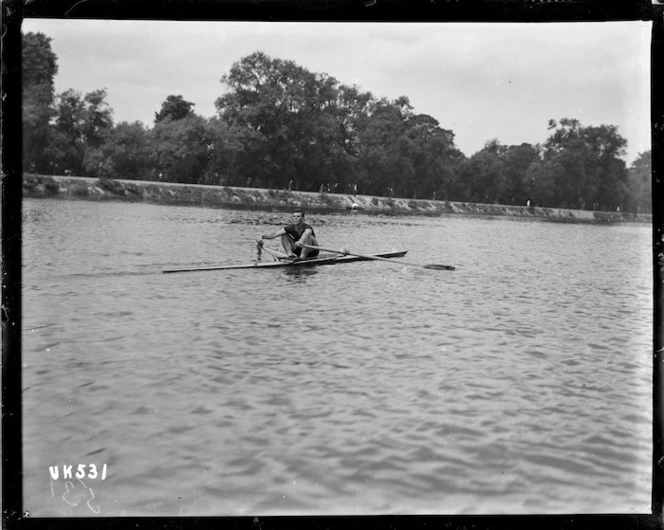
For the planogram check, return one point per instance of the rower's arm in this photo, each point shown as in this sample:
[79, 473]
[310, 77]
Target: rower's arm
[272, 236]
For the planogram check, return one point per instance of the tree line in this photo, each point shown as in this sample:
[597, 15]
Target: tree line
[279, 125]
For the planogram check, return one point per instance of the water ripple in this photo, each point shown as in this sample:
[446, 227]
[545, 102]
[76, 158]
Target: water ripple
[518, 384]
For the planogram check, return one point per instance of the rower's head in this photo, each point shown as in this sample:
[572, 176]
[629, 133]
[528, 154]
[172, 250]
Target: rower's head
[298, 215]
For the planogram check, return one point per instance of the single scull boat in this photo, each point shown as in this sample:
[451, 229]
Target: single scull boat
[321, 259]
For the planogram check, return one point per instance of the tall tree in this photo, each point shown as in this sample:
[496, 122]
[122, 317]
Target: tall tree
[80, 127]
[517, 160]
[307, 129]
[482, 177]
[237, 155]
[640, 183]
[126, 153]
[583, 166]
[293, 112]
[175, 108]
[431, 150]
[351, 113]
[539, 184]
[608, 148]
[66, 150]
[183, 149]
[39, 70]
[384, 147]
[98, 118]
[501, 174]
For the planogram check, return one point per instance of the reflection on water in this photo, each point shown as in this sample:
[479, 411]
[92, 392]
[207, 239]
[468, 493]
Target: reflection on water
[299, 273]
[519, 383]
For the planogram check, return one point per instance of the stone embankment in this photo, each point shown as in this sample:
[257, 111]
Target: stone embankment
[253, 198]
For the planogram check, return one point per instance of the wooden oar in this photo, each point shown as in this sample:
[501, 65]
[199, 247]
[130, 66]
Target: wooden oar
[397, 262]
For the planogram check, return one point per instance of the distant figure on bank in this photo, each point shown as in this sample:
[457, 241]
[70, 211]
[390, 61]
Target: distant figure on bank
[295, 235]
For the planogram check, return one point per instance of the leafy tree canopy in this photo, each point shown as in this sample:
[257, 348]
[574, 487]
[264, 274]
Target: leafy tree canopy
[39, 70]
[175, 108]
[81, 125]
[279, 125]
[582, 166]
[182, 149]
[39, 62]
[640, 182]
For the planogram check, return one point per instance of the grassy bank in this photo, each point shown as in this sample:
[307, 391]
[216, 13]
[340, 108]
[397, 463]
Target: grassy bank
[253, 198]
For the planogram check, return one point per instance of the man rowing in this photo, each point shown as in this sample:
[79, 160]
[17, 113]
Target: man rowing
[295, 235]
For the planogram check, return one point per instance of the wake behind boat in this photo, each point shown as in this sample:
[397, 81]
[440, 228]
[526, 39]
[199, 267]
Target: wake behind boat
[322, 259]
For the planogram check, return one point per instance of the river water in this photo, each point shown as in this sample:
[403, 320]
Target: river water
[519, 383]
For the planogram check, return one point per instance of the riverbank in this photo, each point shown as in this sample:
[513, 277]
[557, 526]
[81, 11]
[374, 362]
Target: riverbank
[253, 198]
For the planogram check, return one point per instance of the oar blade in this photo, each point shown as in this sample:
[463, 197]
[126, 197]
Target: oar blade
[437, 267]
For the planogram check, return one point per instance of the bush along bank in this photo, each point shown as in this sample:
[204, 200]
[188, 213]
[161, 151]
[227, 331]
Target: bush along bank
[105, 189]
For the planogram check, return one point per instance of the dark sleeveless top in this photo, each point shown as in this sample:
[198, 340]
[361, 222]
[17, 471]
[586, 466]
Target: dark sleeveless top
[291, 230]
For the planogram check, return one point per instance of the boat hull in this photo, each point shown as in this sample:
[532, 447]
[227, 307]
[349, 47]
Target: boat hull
[322, 259]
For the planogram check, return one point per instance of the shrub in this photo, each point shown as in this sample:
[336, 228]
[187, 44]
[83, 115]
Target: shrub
[134, 189]
[80, 190]
[51, 187]
[29, 183]
[109, 184]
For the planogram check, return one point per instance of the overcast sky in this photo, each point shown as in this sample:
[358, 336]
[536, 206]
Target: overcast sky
[482, 81]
